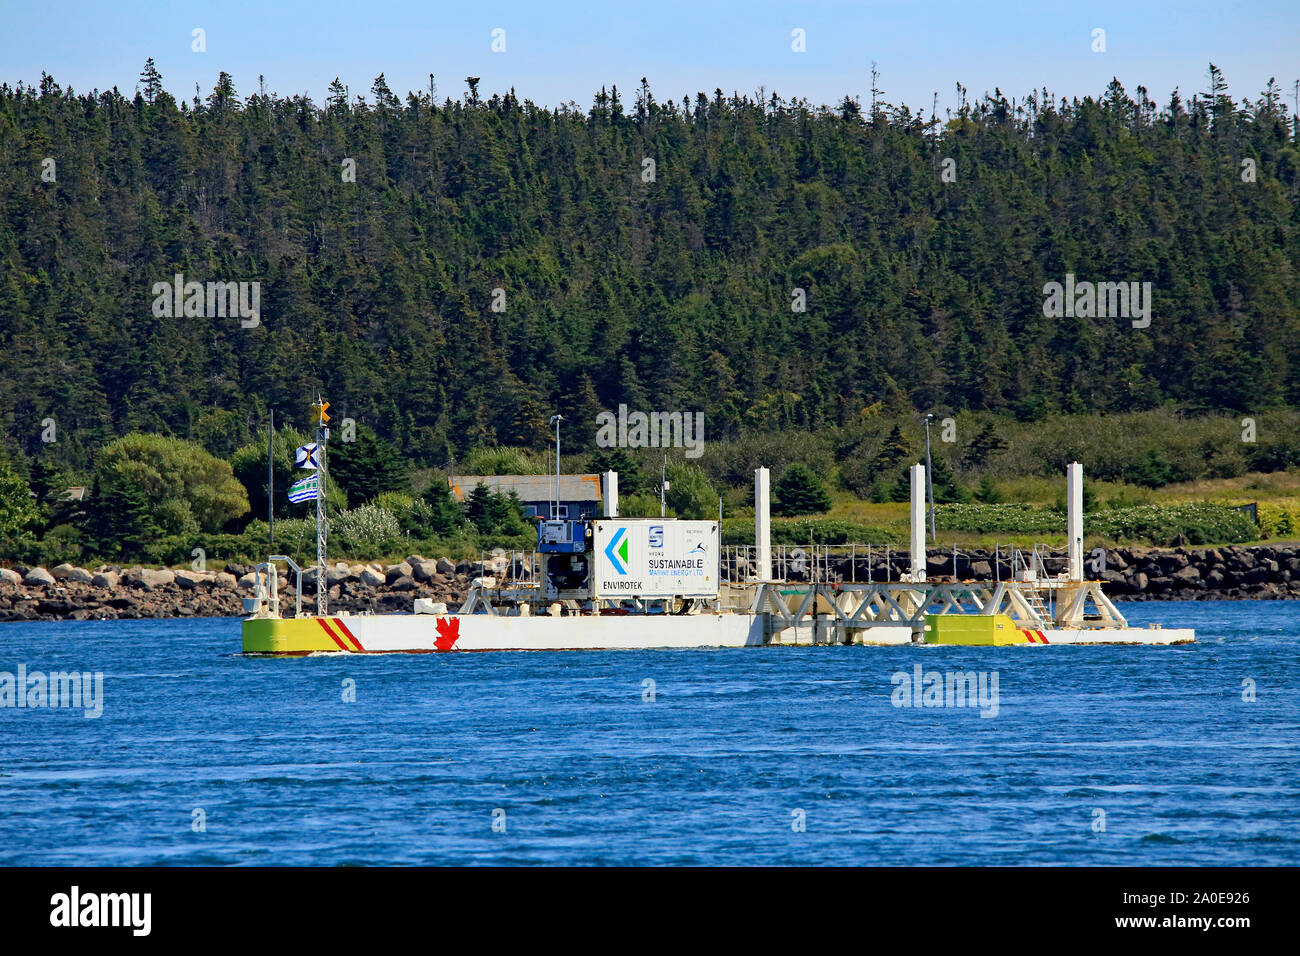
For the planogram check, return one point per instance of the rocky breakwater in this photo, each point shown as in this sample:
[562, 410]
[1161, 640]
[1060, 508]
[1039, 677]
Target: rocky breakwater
[1228, 573]
[67, 592]
[1130, 574]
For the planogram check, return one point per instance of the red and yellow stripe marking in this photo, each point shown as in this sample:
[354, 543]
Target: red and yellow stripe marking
[1029, 633]
[338, 631]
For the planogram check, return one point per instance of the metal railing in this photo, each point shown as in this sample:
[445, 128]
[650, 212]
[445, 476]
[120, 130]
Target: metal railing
[879, 564]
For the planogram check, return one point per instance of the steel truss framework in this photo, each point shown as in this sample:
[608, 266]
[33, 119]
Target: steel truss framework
[1078, 604]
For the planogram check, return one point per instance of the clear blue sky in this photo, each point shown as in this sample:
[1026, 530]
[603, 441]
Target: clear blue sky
[558, 51]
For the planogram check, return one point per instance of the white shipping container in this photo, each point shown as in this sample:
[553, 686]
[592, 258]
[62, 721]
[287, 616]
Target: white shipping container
[655, 558]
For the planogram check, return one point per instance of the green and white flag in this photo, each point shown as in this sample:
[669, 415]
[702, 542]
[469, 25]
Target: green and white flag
[306, 490]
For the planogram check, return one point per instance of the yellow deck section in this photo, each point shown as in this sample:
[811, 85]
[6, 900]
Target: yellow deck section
[300, 635]
[983, 630]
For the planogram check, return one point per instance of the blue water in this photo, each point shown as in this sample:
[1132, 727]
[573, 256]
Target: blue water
[563, 749]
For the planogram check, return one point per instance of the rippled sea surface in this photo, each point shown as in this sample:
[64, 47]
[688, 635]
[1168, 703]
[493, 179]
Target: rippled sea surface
[1097, 755]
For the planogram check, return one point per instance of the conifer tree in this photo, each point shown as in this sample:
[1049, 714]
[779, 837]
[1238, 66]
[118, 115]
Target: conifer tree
[445, 514]
[800, 492]
[672, 293]
[151, 80]
[119, 520]
[366, 467]
[985, 443]
[631, 480]
[889, 473]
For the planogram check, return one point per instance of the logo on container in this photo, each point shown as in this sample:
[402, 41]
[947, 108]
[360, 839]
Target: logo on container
[616, 550]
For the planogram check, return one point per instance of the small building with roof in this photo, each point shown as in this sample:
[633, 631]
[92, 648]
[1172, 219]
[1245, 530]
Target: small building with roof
[579, 494]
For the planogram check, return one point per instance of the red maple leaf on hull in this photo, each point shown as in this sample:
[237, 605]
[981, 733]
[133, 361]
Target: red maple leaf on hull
[448, 633]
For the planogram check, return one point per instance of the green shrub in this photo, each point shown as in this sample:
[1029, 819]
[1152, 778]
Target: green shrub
[1167, 525]
[1153, 471]
[366, 531]
[62, 543]
[504, 461]
[187, 488]
[1155, 524]
[18, 511]
[797, 531]
[218, 549]
[998, 519]
[1278, 520]
[640, 506]
[397, 502]
[733, 462]
[295, 537]
[690, 495]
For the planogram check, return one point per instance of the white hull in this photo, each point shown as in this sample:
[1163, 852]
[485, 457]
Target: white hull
[1123, 635]
[414, 633]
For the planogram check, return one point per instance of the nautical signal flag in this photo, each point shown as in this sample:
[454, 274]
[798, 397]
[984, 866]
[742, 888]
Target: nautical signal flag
[306, 490]
[308, 456]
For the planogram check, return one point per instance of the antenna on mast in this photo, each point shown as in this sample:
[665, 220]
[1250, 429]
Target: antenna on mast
[555, 506]
[663, 488]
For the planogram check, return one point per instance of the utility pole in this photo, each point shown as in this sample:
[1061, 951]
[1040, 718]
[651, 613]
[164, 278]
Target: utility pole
[270, 479]
[930, 478]
[555, 508]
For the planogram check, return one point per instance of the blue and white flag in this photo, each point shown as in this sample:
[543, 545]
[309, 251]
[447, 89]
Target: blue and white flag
[308, 456]
[306, 490]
